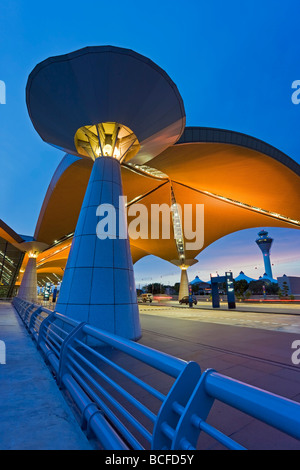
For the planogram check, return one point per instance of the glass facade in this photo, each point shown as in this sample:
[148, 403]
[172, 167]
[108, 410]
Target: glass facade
[10, 262]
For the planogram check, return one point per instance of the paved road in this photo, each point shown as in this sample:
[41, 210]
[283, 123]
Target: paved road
[259, 356]
[271, 318]
[289, 308]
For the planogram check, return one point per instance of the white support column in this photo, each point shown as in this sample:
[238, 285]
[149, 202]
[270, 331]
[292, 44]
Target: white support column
[98, 284]
[28, 287]
[184, 284]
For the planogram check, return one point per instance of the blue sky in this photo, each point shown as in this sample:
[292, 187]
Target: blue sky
[233, 62]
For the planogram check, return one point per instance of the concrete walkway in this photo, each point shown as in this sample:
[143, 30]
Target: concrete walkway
[33, 412]
[35, 416]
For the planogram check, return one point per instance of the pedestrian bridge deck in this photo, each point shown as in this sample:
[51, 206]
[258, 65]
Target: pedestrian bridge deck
[35, 415]
[33, 412]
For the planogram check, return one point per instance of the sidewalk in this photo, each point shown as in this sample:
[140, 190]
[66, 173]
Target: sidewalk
[35, 416]
[261, 358]
[33, 413]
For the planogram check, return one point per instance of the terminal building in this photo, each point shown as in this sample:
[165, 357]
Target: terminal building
[11, 259]
[289, 285]
[119, 121]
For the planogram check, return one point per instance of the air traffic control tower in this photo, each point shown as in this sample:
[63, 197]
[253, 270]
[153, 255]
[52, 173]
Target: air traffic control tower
[264, 242]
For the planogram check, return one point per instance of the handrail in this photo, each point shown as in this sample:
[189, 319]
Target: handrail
[100, 372]
[265, 406]
[93, 417]
[164, 362]
[79, 355]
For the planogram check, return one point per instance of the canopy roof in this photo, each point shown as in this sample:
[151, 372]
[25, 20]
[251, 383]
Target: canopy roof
[267, 278]
[8, 234]
[197, 280]
[105, 84]
[242, 277]
[237, 185]
[236, 177]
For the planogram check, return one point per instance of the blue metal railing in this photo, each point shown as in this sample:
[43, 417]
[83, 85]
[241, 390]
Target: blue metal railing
[109, 380]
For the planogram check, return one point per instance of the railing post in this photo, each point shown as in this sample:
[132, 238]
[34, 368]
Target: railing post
[198, 405]
[33, 317]
[193, 420]
[27, 313]
[25, 310]
[164, 431]
[20, 306]
[45, 323]
[49, 355]
[76, 333]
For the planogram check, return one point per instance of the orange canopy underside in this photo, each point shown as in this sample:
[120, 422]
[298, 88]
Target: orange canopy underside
[220, 176]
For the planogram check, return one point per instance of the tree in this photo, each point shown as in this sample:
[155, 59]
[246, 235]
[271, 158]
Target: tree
[176, 287]
[256, 287]
[272, 288]
[155, 288]
[285, 289]
[241, 287]
[195, 288]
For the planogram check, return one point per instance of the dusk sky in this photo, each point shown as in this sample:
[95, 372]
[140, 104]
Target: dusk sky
[233, 62]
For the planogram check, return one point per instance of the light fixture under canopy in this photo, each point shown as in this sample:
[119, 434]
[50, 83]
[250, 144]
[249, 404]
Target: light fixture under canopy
[108, 139]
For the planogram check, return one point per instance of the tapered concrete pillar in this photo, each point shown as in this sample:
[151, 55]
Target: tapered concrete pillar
[98, 284]
[184, 264]
[28, 287]
[184, 284]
